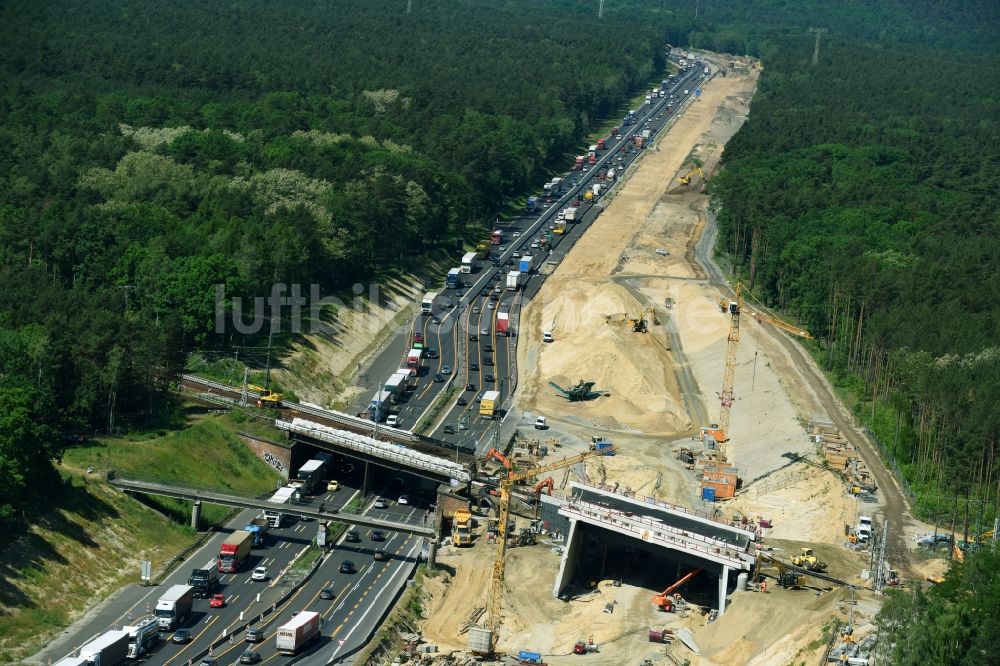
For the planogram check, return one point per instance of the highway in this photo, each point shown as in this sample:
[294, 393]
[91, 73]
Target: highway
[464, 313]
[361, 599]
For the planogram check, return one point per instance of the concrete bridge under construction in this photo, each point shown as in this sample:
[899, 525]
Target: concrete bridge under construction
[197, 496]
[609, 534]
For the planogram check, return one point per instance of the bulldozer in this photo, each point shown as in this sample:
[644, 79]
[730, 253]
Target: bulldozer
[808, 560]
[266, 397]
[582, 391]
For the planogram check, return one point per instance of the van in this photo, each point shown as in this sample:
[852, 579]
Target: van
[547, 337]
[541, 424]
[864, 529]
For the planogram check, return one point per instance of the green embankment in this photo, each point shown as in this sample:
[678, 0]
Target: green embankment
[75, 556]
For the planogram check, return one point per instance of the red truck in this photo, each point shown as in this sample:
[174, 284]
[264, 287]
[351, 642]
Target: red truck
[579, 163]
[592, 159]
[234, 551]
[503, 323]
[600, 144]
[496, 238]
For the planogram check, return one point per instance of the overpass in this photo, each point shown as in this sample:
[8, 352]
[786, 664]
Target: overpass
[367, 449]
[691, 537]
[198, 496]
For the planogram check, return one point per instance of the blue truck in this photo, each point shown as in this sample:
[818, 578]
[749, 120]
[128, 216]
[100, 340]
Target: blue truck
[531, 206]
[454, 279]
[258, 531]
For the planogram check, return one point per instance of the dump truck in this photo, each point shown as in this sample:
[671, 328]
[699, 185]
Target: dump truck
[142, 637]
[297, 633]
[234, 551]
[204, 578]
[490, 403]
[503, 323]
[461, 535]
[108, 649]
[258, 531]
[175, 605]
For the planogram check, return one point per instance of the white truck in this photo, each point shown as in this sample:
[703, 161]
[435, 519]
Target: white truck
[570, 214]
[283, 496]
[864, 528]
[596, 189]
[297, 633]
[174, 607]
[108, 649]
[142, 637]
[514, 280]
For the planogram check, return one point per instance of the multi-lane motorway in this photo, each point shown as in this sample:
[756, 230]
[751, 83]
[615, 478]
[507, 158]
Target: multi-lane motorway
[360, 601]
[462, 328]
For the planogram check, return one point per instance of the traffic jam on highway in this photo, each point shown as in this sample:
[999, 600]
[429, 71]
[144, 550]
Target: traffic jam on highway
[241, 598]
[463, 340]
[236, 600]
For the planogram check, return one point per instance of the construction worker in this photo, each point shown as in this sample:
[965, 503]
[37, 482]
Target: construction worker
[763, 586]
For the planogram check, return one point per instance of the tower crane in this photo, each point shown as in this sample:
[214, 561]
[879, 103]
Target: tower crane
[494, 602]
[735, 308]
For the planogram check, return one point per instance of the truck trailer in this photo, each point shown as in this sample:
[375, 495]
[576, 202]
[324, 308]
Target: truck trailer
[282, 497]
[514, 280]
[296, 634]
[570, 214]
[234, 551]
[175, 606]
[525, 264]
[503, 323]
[469, 262]
[490, 404]
[108, 649]
[258, 528]
[378, 408]
[454, 278]
[204, 578]
[428, 303]
[142, 637]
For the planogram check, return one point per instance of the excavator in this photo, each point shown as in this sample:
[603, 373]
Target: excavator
[664, 601]
[791, 576]
[639, 324]
[582, 391]
[686, 178]
[545, 484]
[265, 397]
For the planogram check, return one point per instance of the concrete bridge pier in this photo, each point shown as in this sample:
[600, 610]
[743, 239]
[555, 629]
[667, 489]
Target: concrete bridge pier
[567, 565]
[723, 586]
[432, 552]
[195, 514]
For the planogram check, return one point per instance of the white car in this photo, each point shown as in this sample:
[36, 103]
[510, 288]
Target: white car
[547, 337]
[392, 421]
[380, 503]
[403, 499]
[260, 574]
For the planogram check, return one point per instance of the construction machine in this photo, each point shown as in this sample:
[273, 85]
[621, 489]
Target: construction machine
[639, 324]
[545, 484]
[266, 397]
[664, 601]
[686, 178]
[808, 560]
[582, 391]
[791, 576]
[494, 600]
[735, 308]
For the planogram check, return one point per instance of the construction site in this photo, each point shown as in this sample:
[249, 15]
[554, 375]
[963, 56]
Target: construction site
[693, 500]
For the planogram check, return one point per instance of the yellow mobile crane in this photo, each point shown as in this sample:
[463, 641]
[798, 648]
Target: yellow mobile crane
[735, 309]
[494, 602]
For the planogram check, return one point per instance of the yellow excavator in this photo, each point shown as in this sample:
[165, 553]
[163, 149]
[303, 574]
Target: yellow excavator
[265, 397]
[639, 324]
[686, 178]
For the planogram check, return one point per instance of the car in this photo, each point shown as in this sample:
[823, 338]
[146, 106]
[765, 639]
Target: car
[516, 255]
[475, 309]
[494, 297]
[439, 378]
[435, 320]
[459, 294]
[347, 567]
[492, 304]
[473, 367]
[586, 167]
[479, 398]
[352, 536]
[503, 248]
[473, 337]
[181, 636]
[250, 657]
[547, 337]
[449, 429]
[484, 292]
[470, 387]
[488, 349]
[484, 330]
[462, 402]
[327, 593]
[393, 420]
[541, 423]
[332, 486]
[430, 353]
[217, 601]
[445, 369]
[378, 535]
[209, 661]
[516, 234]
[254, 635]
[403, 499]
[380, 556]
[381, 503]
[487, 361]
[259, 574]
[489, 379]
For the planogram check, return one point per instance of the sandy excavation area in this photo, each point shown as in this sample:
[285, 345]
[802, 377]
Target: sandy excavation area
[662, 387]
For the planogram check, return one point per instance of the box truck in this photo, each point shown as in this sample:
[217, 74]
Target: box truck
[297, 633]
[175, 606]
